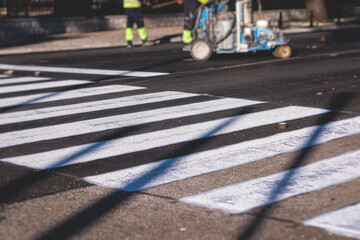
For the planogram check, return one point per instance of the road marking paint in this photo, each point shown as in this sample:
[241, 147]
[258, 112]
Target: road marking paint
[125, 120]
[115, 147]
[244, 196]
[344, 221]
[170, 170]
[63, 95]
[83, 71]
[37, 114]
[37, 86]
[4, 76]
[22, 80]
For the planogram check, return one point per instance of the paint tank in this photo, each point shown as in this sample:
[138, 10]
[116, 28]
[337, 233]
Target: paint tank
[222, 28]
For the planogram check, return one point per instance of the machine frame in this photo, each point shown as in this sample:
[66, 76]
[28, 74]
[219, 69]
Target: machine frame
[218, 30]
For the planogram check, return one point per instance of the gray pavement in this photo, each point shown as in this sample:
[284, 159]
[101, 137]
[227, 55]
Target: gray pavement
[75, 41]
[115, 38]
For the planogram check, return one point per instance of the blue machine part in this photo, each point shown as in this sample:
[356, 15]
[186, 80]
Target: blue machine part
[260, 38]
[205, 13]
[220, 7]
[204, 19]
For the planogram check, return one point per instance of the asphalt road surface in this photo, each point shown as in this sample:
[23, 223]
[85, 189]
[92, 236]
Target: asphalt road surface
[146, 143]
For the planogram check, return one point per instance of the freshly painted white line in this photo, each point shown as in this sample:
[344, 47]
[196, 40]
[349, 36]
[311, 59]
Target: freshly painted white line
[125, 120]
[22, 80]
[170, 170]
[344, 221]
[63, 95]
[83, 71]
[36, 114]
[93, 151]
[244, 196]
[36, 86]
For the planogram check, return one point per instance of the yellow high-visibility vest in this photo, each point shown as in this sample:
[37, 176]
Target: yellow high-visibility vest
[132, 4]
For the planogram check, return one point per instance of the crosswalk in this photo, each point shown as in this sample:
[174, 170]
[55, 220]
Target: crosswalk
[165, 119]
[28, 87]
[104, 72]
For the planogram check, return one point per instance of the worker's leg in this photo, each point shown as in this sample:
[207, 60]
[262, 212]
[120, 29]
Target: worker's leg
[129, 35]
[189, 18]
[139, 20]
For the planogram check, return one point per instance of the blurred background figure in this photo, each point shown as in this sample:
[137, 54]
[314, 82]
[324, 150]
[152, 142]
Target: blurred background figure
[134, 15]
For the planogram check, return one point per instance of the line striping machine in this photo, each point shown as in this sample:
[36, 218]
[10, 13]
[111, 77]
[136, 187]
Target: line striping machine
[219, 30]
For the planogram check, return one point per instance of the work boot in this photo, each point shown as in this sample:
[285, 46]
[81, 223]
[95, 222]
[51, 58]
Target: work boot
[129, 44]
[146, 43]
[187, 47]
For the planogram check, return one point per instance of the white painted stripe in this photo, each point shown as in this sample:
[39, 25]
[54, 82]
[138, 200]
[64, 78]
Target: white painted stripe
[83, 71]
[93, 151]
[36, 114]
[4, 76]
[63, 95]
[344, 221]
[241, 197]
[170, 170]
[22, 80]
[36, 86]
[126, 120]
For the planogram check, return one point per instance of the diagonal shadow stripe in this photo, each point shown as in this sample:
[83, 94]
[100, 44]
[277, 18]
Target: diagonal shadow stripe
[49, 95]
[338, 103]
[9, 192]
[89, 215]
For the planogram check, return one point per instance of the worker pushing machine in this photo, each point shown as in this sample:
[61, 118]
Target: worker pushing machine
[134, 15]
[189, 18]
[219, 29]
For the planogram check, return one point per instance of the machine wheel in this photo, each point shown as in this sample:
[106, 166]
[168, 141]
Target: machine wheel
[201, 50]
[282, 51]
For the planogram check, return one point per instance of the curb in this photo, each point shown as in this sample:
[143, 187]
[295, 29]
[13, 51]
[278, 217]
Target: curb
[21, 27]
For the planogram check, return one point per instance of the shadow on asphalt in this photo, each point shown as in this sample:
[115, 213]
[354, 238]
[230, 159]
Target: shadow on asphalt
[13, 191]
[96, 81]
[23, 41]
[86, 217]
[339, 102]
[165, 39]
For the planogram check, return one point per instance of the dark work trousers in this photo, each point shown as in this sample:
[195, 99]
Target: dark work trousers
[134, 15]
[189, 13]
